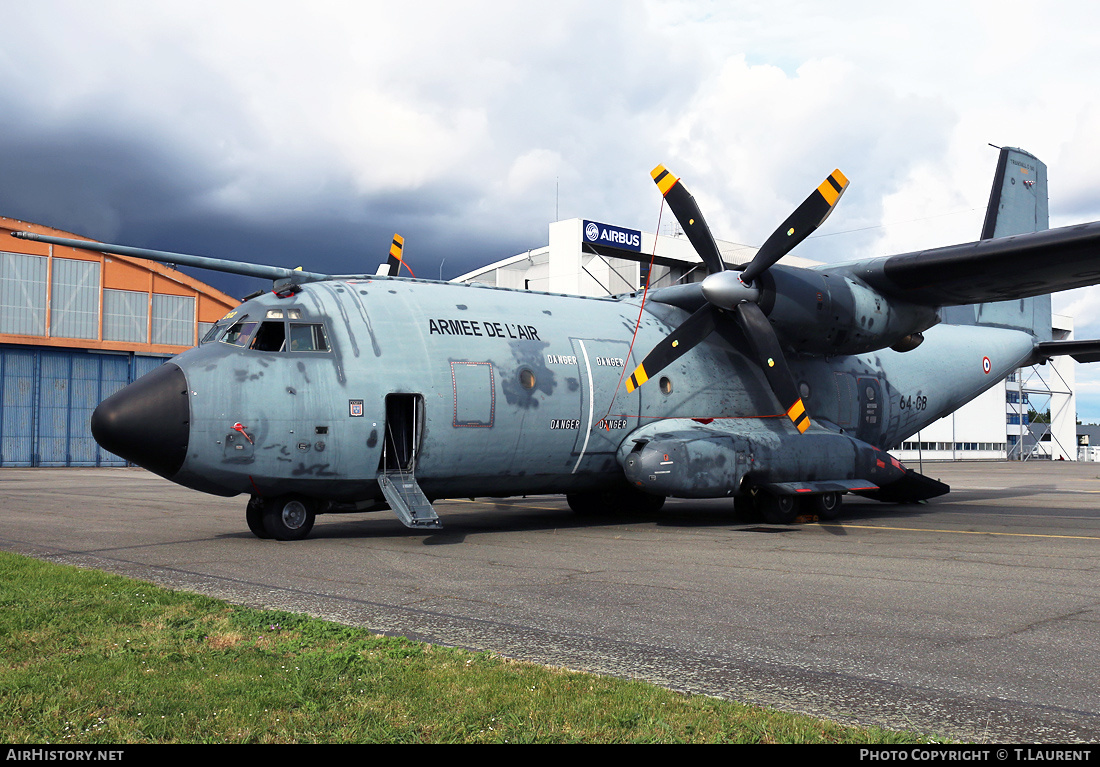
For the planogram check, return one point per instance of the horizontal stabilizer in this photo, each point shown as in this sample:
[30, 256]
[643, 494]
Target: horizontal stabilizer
[1082, 351]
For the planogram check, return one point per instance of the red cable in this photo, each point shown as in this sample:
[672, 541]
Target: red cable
[641, 308]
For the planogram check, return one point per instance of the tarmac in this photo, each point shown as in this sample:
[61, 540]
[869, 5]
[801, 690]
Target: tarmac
[975, 616]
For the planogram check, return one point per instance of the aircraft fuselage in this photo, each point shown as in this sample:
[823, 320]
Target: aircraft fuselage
[494, 392]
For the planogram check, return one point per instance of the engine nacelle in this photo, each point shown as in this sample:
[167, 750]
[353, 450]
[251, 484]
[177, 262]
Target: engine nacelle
[828, 314]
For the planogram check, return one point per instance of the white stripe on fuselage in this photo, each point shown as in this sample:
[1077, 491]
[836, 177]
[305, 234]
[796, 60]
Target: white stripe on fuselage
[591, 404]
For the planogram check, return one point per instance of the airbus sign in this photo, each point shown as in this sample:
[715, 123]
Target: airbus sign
[615, 236]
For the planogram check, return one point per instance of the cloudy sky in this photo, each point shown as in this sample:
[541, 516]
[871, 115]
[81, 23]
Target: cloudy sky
[306, 134]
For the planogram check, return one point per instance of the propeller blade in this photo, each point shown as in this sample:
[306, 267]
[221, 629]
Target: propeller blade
[799, 225]
[770, 355]
[687, 212]
[691, 331]
[395, 261]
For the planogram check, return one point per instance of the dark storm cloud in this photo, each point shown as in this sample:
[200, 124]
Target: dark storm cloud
[91, 182]
[307, 134]
[169, 133]
[319, 131]
[116, 185]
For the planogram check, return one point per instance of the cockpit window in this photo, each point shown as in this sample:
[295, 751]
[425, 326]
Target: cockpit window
[240, 333]
[308, 337]
[270, 338]
[272, 335]
[220, 328]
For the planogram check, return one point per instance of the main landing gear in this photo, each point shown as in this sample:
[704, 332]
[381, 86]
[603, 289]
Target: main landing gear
[784, 509]
[824, 506]
[625, 500]
[282, 517]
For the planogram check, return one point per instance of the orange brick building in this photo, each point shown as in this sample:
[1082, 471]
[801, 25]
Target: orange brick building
[75, 327]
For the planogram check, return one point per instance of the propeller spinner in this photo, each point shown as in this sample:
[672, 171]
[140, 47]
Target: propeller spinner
[732, 292]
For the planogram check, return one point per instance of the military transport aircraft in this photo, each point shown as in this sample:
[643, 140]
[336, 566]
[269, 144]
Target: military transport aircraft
[778, 386]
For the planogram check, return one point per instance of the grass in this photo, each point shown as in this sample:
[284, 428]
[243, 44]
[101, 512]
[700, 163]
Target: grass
[94, 658]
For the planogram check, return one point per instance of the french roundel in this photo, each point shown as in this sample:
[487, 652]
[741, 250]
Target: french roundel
[986, 365]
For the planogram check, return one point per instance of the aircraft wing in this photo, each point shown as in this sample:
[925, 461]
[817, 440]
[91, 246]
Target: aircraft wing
[989, 270]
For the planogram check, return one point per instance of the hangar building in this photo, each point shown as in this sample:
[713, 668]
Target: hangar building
[597, 259]
[77, 326]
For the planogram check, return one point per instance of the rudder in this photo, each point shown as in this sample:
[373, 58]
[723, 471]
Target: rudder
[1017, 205]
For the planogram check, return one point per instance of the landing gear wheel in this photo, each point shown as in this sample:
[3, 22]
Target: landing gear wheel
[587, 504]
[288, 517]
[254, 515]
[777, 509]
[825, 506]
[628, 500]
[745, 509]
[631, 500]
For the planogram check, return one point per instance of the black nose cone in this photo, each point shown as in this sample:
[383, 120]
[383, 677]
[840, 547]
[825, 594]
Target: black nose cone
[147, 422]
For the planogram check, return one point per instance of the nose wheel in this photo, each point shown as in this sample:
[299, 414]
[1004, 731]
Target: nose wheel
[283, 517]
[254, 515]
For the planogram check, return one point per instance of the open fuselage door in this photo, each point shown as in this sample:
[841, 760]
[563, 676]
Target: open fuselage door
[396, 468]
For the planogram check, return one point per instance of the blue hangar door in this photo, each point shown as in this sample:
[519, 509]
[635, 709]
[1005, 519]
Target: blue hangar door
[46, 401]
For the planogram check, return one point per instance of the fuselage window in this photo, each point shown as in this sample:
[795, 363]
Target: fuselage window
[308, 337]
[291, 314]
[270, 338]
[240, 334]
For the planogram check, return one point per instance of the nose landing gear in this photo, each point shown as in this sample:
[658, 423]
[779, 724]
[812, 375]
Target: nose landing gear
[283, 517]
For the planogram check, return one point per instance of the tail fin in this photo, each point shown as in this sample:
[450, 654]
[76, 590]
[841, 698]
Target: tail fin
[1018, 201]
[1017, 205]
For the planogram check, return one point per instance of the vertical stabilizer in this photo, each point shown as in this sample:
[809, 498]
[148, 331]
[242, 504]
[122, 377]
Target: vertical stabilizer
[1017, 205]
[1018, 200]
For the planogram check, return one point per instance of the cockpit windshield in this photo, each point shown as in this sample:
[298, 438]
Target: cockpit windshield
[240, 334]
[272, 335]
